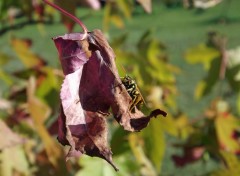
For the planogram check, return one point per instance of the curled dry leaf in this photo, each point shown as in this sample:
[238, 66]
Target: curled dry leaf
[91, 87]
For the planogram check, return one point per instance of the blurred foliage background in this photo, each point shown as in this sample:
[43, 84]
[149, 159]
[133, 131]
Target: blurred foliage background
[184, 56]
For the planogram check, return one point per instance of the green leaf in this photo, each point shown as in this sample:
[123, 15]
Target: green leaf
[146, 167]
[119, 142]
[238, 103]
[119, 41]
[163, 74]
[233, 77]
[159, 68]
[205, 86]
[155, 142]
[144, 40]
[4, 59]
[48, 90]
[201, 54]
[102, 168]
[6, 78]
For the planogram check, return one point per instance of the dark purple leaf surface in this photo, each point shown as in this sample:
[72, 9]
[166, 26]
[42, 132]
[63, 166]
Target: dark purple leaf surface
[91, 87]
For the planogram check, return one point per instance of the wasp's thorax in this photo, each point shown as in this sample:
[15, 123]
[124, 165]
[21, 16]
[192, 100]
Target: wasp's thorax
[133, 91]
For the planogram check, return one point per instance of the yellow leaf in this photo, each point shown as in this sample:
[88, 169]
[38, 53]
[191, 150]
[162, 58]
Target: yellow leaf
[40, 112]
[111, 14]
[106, 16]
[168, 125]
[201, 54]
[198, 93]
[6, 78]
[4, 58]
[117, 20]
[231, 160]
[226, 124]
[125, 7]
[160, 69]
[22, 49]
[232, 163]
[182, 124]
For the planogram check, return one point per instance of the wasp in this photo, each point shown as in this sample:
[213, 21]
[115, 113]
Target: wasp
[133, 91]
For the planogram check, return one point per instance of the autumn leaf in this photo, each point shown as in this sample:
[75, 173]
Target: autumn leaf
[190, 155]
[125, 7]
[27, 57]
[231, 163]
[39, 112]
[226, 124]
[201, 54]
[12, 138]
[113, 13]
[91, 87]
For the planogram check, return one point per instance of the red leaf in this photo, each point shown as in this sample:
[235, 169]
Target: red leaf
[91, 87]
[190, 155]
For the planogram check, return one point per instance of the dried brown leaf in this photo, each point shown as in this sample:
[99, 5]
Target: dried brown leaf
[91, 87]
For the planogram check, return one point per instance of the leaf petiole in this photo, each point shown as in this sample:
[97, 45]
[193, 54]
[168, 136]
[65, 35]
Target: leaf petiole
[78, 21]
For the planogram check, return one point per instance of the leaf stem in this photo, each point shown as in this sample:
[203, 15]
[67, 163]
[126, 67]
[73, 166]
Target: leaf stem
[78, 21]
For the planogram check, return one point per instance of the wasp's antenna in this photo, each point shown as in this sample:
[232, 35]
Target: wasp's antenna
[85, 31]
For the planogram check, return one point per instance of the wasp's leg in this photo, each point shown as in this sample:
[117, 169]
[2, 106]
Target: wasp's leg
[136, 101]
[139, 104]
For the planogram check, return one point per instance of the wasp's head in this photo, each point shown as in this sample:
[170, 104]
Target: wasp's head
[127, 80]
